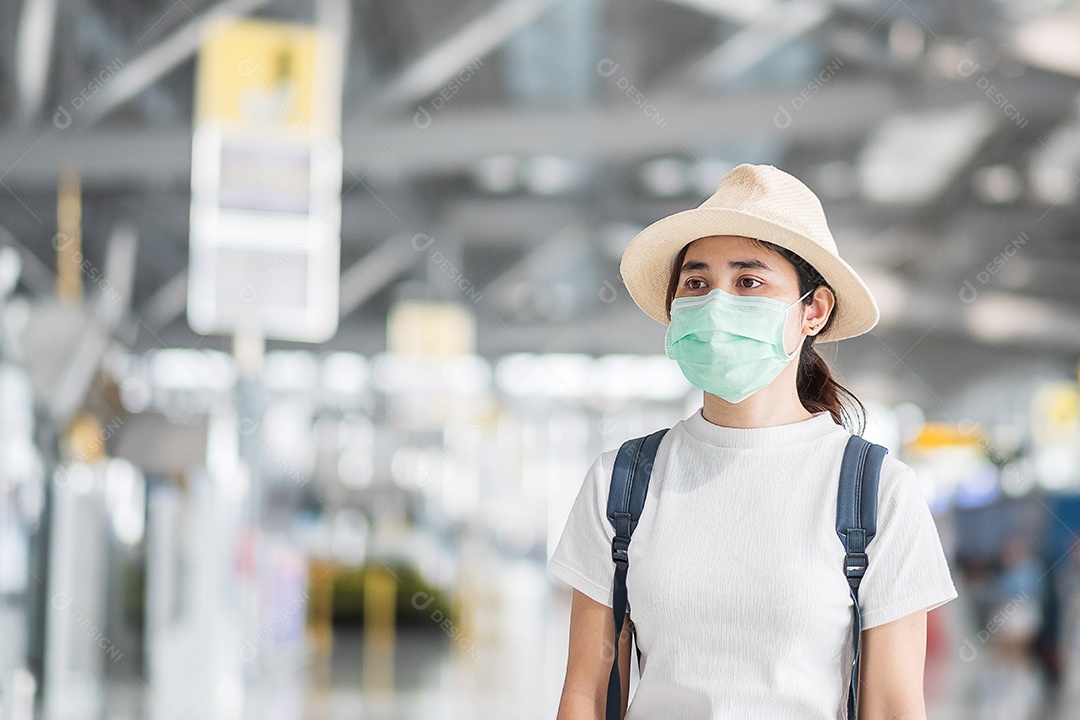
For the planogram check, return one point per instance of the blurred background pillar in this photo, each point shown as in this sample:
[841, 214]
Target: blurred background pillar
[380, 599]
[74, 670]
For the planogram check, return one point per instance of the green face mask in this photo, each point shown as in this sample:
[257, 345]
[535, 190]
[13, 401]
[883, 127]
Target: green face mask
[729, 345]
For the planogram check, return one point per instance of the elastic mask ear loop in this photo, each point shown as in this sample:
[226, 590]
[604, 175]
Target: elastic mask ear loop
[800, 299]
[798, 348]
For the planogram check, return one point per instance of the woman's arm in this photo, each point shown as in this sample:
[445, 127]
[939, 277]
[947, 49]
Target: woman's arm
[588, 666]
[891, 670]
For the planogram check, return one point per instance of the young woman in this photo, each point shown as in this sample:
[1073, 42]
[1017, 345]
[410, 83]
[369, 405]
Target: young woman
[738, 600]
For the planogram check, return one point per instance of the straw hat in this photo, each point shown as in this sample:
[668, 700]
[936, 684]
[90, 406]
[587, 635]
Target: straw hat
[756, 201]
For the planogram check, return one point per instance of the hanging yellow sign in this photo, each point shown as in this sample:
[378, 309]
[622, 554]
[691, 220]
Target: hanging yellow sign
[266, 181]
[261, 74]
[432, 329]
[936, 435]
[1055, 414]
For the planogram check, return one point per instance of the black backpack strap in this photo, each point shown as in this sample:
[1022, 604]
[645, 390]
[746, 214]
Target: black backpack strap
[626, 497]
[856, 524]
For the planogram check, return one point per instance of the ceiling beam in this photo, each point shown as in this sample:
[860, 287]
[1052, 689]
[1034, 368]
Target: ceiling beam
[734, 10]
[33, 51]
[844, 110]
[366, 277]
[437, 66]
[144, 70]
[110, 306]
[166, 304]
[38, 278]
[754, 43]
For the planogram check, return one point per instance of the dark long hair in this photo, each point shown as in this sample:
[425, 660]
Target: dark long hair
[817, 388]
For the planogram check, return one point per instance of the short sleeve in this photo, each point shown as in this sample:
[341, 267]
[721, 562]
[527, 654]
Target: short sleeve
[582, 557]
[907, 569]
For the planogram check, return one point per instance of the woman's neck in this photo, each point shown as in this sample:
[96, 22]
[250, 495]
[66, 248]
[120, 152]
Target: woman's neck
[775, 404]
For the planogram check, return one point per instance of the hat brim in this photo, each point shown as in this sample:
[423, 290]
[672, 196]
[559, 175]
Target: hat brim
[648, 260]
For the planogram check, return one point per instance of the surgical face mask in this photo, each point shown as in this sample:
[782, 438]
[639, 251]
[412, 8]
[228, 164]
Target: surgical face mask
[729, 345]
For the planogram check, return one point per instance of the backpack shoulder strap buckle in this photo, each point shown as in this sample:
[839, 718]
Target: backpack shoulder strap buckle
[620, 547]
[855, 564]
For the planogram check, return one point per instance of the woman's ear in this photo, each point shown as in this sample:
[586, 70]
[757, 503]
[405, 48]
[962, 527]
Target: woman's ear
[817, 313]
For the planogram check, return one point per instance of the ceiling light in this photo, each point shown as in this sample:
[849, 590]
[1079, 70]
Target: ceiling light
[836, 180]
[290, 371]
[906, 39]
[553, 175]
[665, 177]
[548, 375]
[998, 184]
[911, 159]
[344, 373]
[497, 174]
[889, 292]
[1054, 163]
[706, 175]
[619, 377]
[998, 317]
[1050, 42]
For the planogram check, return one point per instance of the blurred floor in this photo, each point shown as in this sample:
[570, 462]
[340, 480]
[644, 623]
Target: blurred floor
[508, 661]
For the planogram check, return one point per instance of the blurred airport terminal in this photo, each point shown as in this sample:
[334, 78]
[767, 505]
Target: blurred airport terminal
[311, 325]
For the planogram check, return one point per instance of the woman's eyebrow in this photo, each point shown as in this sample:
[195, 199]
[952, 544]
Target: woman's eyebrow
[748, 265]
[752, 264]
[694, 265]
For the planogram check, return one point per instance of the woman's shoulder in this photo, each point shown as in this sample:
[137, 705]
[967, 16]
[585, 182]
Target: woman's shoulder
[604, 462]
[895, 471]
[900, 488]
[895, 474]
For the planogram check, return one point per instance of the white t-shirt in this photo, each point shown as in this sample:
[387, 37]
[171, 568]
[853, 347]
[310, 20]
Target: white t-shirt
[736, 589]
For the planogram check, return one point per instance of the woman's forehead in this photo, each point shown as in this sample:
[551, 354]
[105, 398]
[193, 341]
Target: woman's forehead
[721, 247]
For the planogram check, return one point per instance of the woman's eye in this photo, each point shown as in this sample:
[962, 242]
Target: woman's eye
[695, 283]
[743, 280]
